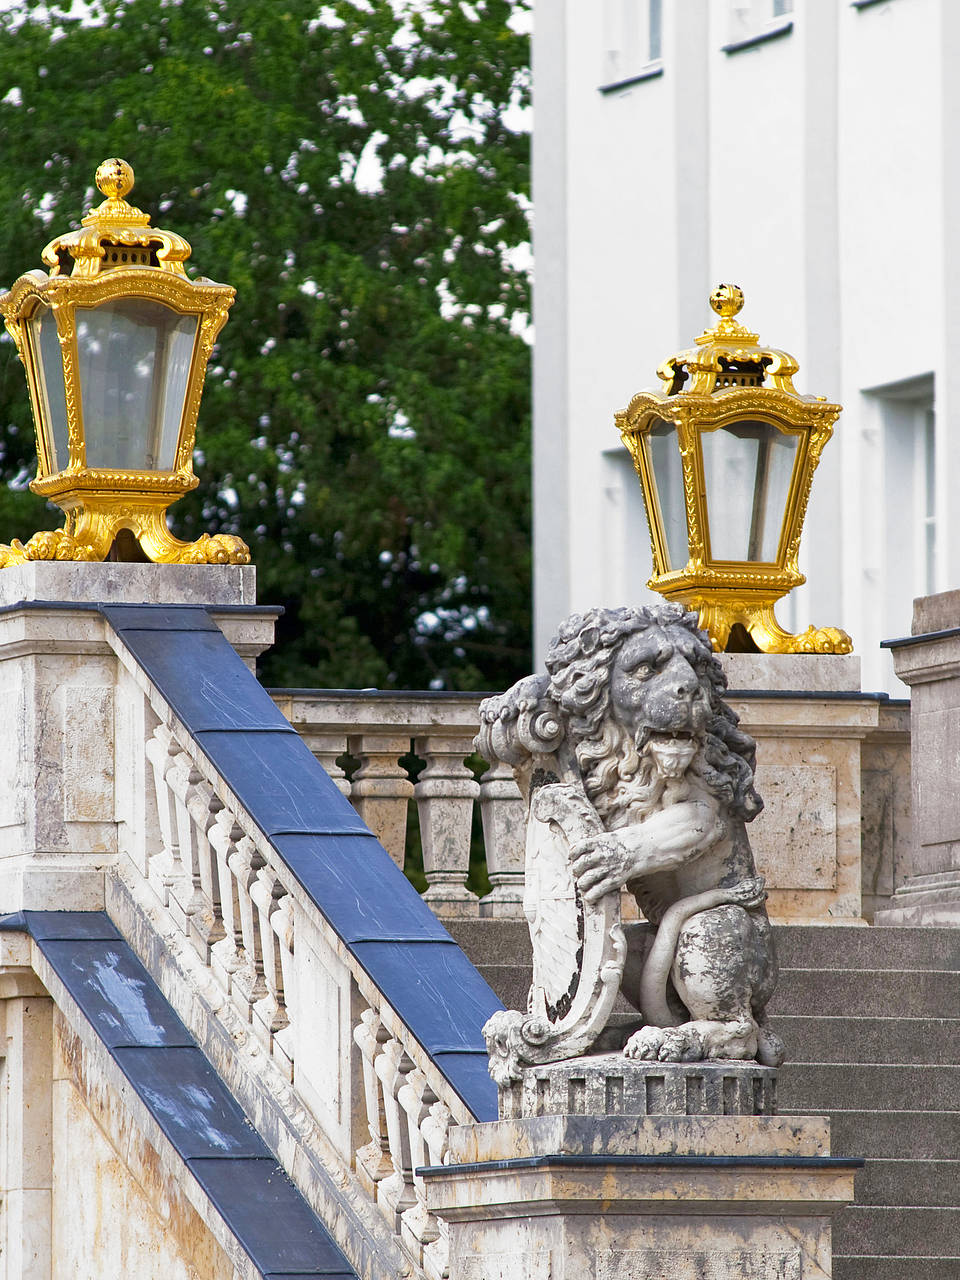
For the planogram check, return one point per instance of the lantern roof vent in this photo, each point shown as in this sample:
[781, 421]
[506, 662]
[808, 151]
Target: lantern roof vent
[115, 234]
[727, 355]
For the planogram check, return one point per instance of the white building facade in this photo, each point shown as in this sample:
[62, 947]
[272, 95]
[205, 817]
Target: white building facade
[804, 150]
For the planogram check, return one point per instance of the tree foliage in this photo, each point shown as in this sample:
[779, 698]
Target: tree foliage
[350, 169]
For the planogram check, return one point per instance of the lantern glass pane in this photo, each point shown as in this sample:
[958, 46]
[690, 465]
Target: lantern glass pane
[668, 477]
[134, 366]
[747, 469]
[45, 347]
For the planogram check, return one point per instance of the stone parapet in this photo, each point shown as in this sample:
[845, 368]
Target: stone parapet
[832, 768]
[379, 730]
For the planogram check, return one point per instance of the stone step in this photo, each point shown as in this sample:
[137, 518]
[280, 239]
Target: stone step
[507, 941]
[822, 1088]
[920, 1183]
[868, 993]
[511, 982]
[908, 1041]
[894, 1231]
[859, 947]
[910, 1135]
[903, 1268]
[798, 946]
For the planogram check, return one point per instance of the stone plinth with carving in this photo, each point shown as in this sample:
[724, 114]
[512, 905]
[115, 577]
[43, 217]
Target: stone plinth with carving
[609, 1084]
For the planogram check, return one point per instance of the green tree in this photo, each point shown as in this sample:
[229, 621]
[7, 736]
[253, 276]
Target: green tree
[356, 171]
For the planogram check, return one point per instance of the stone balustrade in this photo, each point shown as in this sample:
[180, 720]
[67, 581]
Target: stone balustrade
[833, 768]
[267, 966]
[380, 731]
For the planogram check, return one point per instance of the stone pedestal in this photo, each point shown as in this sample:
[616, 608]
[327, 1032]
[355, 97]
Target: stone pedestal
[640, 1197]
[63, 718]
[608, 1084]
[814, 728]
[928, 661]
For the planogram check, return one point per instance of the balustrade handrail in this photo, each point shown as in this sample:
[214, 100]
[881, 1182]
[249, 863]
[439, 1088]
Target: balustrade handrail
[280, 888]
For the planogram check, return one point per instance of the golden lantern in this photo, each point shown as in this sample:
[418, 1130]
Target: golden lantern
[726, 454]
[115, 341]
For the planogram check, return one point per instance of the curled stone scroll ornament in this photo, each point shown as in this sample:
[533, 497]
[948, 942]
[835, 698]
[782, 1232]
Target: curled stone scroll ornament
[636, 773]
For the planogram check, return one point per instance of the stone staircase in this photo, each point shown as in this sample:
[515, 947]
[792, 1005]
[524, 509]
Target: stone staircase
[871, 1019]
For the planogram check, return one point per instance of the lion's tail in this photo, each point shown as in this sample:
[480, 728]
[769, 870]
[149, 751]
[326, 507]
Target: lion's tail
[656, 970]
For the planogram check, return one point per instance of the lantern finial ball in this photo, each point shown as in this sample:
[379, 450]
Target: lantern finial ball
[727, 300]
[115, 178]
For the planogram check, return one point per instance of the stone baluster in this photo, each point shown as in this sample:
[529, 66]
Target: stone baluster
[327, 748]
[504, 837]
[395, 1194]
[282, 924]
[381, 790]
[247, 985]
[160, 750]
[269, 1011]
[445, 792]
[206, 924]
[225, 955]
[418, 1226]
[186, 894]
[435, 1128]
[373, 1160]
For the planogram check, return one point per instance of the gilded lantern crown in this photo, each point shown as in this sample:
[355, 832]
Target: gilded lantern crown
[726, 453]
[115, 234]
[728, 355]
[115, 341]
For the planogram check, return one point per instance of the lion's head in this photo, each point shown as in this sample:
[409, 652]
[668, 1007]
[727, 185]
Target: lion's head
[635, 692]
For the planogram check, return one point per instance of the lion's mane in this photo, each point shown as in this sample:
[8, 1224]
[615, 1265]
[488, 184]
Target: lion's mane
[572, 703]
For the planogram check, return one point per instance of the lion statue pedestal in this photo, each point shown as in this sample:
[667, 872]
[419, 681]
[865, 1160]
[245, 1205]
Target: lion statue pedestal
[655, 1190]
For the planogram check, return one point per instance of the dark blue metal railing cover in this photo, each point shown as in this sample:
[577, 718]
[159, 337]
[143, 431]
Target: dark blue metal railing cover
[343, 868]
[184, 1094]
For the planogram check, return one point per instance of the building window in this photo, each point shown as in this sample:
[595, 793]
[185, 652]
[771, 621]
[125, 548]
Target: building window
[752, 22]
[909, 517]
[632, 42]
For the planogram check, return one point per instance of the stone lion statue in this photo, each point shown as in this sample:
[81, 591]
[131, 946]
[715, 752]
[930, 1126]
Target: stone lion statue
[635, 773]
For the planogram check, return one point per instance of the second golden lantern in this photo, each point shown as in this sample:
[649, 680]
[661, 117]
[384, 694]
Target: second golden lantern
[726, 453]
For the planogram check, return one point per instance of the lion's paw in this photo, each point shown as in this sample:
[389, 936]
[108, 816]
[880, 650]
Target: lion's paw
[645, 1044]
[681, 1044]
[666, 1044]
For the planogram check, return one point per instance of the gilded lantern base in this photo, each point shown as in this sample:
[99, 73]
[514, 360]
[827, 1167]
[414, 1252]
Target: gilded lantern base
[95, 518]
[719, 615]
